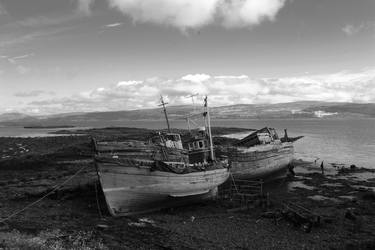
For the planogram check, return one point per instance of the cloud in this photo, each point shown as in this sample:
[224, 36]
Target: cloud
[222, 90]
[249, 12]
[178, 13]
[181, 14]
[351, 29]
[113, 25]
[196, 77]
[33, 93]
[186, 14]
[13, 60]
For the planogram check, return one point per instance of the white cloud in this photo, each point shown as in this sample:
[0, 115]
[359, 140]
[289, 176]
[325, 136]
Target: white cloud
[185, 14]
[249, 12]
[177, 13]
[352, 29]
[14, 59]
[231, 77]
[113, 25]
[193, 14]
[128, 83]
[222, 90]
[196, 77]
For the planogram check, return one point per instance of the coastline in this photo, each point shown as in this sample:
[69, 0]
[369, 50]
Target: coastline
[71, 214]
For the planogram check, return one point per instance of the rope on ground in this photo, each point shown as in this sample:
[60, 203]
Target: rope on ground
[56, 187]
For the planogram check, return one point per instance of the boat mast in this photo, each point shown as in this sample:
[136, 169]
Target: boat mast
[206, 114]
[192, 99]
[194, 109]
[165, 111]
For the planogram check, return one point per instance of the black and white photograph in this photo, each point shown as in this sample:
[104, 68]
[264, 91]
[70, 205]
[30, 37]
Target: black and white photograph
[187, 124]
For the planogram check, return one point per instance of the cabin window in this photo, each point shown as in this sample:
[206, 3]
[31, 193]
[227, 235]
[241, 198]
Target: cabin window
[173, 137]
[201, 144]
[156, 139]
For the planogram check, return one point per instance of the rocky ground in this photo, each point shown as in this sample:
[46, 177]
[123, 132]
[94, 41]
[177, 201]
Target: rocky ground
[71, 218]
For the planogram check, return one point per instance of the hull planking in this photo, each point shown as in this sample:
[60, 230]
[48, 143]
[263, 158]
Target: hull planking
[267, 163]
[133, 190]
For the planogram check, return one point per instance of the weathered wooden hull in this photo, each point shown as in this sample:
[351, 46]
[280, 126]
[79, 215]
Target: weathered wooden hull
[267, 163]
[132, 190]
[141, 150]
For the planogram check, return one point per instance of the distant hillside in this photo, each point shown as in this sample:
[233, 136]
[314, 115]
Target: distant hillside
[267, 111]
[13, 116]
[365, 109]
[308, 109]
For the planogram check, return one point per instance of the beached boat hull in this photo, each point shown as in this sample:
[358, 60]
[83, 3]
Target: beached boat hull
[267, 163]
[133, 190]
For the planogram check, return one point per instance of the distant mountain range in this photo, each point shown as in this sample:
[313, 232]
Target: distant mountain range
[13, 117]
[307, 109]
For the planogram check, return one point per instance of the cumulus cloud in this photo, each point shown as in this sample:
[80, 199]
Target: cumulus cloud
[222, 90]
[193, 14]
[196, 77]
[178, 13]
[249, 12]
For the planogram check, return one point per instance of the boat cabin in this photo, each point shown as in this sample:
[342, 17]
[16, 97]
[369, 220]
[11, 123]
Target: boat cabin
[199, 148]
[198, 144]
[169, 140]
[262, 136]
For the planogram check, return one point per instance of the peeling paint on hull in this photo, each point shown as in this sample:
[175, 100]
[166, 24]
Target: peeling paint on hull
[131, 190]
[265, 164]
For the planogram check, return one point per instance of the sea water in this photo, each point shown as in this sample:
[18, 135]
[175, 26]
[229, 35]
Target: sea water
[347, 141]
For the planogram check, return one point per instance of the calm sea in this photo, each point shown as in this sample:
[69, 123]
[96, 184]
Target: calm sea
[347, 141]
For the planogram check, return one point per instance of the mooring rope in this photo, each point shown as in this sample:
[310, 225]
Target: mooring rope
[57, 187]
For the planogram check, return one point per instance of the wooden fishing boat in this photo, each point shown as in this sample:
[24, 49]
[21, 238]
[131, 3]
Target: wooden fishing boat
[261, 155]
[138, 177]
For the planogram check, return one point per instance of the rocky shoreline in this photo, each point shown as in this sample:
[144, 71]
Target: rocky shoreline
[71, 218]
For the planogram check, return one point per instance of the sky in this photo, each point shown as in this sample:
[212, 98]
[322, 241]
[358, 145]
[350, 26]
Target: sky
[59, 56]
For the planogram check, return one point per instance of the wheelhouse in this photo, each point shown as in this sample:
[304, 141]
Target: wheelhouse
[169, 140]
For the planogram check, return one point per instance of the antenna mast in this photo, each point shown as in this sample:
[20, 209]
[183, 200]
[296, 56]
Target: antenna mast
[165, 111]
[206, 114]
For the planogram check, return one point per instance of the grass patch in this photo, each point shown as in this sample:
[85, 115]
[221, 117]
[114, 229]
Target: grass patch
[50, 239]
